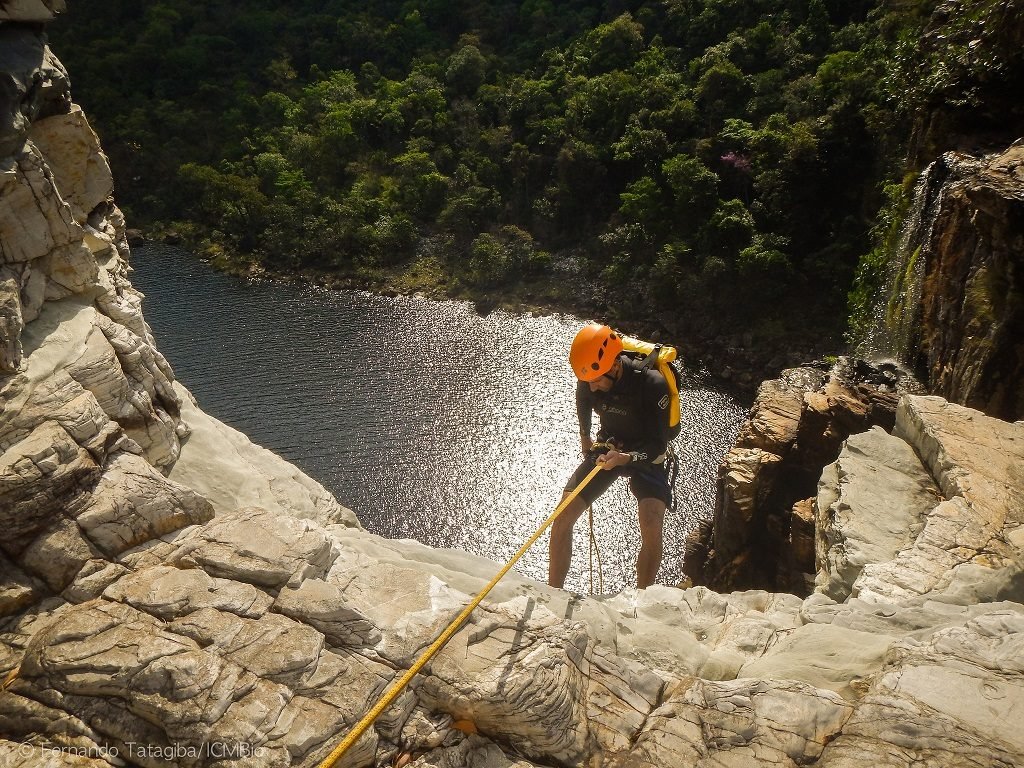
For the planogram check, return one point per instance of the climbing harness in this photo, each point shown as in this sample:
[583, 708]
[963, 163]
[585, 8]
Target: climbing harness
[399, 685]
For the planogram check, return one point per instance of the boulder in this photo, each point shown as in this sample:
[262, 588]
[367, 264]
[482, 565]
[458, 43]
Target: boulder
[871, 504]
[79, 167]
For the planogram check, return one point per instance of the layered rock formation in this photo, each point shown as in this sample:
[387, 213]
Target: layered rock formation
[265, 637]
[762, 532]
[172, 595]
[970, 345]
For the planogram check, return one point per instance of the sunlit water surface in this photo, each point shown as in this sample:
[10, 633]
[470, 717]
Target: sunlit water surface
[428, 420]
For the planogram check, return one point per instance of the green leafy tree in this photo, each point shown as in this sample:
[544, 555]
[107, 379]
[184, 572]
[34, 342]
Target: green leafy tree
[495, 259]
[466, 70]
[694, 190]
[419, 188]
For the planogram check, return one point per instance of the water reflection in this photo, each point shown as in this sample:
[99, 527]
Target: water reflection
[429, 421]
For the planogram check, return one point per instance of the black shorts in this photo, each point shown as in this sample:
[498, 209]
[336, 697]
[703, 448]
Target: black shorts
[646, 480]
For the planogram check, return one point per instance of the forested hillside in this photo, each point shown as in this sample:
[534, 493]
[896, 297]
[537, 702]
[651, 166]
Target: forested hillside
[721, 163]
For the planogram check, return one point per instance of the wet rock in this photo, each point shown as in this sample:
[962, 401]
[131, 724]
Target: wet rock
[970, 334]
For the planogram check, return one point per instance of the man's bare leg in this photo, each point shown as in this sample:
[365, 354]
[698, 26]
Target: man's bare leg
[652, 519]
[560, 547]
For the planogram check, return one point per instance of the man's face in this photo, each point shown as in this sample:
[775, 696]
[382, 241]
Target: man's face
[606, 382]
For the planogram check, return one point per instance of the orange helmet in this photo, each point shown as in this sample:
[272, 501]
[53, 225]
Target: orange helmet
[594, 351]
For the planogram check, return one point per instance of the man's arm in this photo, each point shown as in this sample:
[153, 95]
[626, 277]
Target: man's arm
[584, 413]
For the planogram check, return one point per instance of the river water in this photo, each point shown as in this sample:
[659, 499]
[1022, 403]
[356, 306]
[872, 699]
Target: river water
[428, 420]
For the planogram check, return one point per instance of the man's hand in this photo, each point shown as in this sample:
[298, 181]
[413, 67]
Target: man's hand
[586, 444]
[613, 458]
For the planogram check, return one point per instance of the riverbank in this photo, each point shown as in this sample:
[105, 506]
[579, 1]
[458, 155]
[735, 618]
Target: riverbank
[736, 361]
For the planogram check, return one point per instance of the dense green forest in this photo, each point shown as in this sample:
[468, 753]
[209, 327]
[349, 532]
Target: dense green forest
[721, 164]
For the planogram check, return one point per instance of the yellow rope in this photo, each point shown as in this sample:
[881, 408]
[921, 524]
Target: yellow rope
[447, 635]
[11, 677]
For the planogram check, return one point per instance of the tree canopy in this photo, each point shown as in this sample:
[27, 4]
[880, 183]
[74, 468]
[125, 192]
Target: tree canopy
[721, 161]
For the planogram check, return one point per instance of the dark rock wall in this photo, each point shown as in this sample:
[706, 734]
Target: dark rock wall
[971, 345]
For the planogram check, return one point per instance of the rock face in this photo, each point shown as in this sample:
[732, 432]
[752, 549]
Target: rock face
[90, 415]
[267, 636]
[971, 345]
[962, 524]
[172, 595]
[763, 532]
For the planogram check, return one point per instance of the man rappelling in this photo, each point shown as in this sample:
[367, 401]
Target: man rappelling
[638, 410]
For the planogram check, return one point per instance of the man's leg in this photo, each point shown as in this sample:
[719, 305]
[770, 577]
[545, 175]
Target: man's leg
[652, 518]
[560, 548]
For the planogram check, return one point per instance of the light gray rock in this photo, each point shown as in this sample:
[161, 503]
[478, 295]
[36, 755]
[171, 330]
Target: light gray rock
[231, 471]
[827, 656]
[133, 503]
[58, 554]
[98, 380]
[258, 547]
[970, 454]
[92, 579]
[738, 723]
[271, 646]
[953, 699]
[970, 547]
[556, 691]
[26, 405]
[167, 593]
[871, 504]
[41, 476]
[322, 605]
[981, 662]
